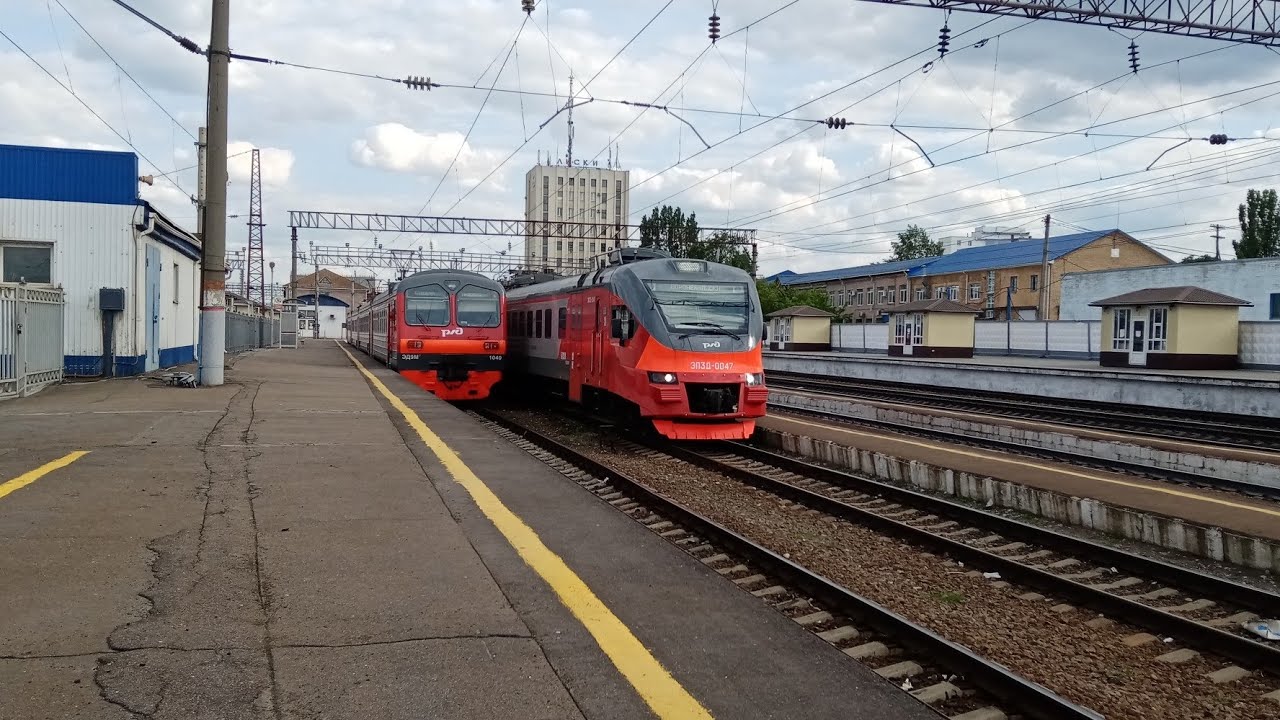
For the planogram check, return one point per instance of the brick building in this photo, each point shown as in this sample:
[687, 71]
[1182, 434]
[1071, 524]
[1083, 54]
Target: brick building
[993, 279]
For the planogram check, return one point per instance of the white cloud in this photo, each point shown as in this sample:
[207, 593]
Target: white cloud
[395, 147]
[275, 164]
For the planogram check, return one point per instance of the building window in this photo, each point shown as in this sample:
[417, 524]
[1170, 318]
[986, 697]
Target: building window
[1120, 329]
[546, 182]
[922, 293]
[1158, 332]
[177, 285]
[1275, 306]
[880, 295]
[1013, 283]
[939, 292]
[975, 291]
[559, 213]
[840, 299]
[559, 181]
[559, 246]
[26, 263]
[860, 297]
[902, 293]
[953, 292]
[1035, 282]
[892, 296]
[899, 327]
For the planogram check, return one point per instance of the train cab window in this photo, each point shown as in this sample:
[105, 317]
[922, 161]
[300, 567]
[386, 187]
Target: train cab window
[478, 307]
[426, 305]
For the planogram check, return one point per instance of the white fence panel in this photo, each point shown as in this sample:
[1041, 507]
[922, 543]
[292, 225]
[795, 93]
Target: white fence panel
[1259, 343]
[31, 338]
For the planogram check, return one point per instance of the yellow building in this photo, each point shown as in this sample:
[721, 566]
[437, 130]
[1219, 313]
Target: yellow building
[800, 327]
[1180, 327]
[933, 328]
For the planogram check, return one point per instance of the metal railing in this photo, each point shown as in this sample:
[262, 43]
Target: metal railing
[30, 338]
[251, 332]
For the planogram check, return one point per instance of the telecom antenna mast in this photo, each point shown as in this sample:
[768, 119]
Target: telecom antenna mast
[570, 163]
[257, 278]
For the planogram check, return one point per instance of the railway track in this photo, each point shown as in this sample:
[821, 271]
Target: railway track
[1181, 477]
[1197, 610]
[1232, 431]
[956, 681]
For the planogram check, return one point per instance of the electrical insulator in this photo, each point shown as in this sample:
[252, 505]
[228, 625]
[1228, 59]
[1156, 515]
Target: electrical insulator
[944, 39]
[417, 82]
[713, 28]
[527, 6]
[837, 123]
[1133, 56]
[1218, 139]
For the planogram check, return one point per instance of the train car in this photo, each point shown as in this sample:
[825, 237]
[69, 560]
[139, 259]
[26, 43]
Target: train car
[444, 330]
[676, 341]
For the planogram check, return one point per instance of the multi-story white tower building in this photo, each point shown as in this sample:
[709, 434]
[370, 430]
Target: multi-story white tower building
[580, 193]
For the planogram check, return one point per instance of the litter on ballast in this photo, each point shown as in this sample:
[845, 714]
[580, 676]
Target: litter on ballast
[1265, 629]
[991, 575]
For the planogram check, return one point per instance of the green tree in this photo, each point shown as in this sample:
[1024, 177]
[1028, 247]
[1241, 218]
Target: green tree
[914, 243]
[668, 229]
[1259, 226]
[1198, 259]
[775, 296]
[722, 247]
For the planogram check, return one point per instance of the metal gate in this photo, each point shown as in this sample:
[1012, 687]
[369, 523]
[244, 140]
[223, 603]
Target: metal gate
[30, 338]
[289, 324]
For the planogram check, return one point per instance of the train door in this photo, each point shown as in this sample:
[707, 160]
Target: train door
[576, 345]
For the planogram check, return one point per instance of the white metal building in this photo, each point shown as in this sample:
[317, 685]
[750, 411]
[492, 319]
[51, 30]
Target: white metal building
[582, 193]
[1256, 280]
[73, 218]
[982, 236]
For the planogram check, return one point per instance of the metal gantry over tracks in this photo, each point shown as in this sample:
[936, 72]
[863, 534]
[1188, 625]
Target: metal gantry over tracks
[1245, 21]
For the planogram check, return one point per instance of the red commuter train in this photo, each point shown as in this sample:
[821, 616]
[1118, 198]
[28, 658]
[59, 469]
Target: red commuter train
[444, 330]
[677, 341]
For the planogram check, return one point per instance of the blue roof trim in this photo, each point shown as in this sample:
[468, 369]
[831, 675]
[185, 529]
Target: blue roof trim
[989, 257]
[68, 175]
[886, 268]
[168, 233]
[1015, 254]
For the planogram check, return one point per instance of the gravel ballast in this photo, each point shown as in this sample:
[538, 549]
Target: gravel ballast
[1090, 666]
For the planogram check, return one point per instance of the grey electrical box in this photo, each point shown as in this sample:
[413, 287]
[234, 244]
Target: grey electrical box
[111, 299]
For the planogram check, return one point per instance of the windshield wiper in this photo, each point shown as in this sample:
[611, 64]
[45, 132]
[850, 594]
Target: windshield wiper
[712, 329]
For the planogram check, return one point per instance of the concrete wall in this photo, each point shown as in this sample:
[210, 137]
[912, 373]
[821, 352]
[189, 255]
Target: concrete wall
[1253, 280]
[1203, 330]
[1213, 394]
[948, 330]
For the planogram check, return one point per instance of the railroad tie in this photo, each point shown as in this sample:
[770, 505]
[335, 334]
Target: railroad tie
[983, 713]
[936, 693]
[900, 670]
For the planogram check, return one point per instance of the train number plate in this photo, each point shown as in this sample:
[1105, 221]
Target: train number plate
[495, 357]
[410, 357]
[709, 365]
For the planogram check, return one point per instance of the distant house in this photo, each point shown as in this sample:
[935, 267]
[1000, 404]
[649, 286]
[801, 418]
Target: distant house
[800, 327]
[997, 279]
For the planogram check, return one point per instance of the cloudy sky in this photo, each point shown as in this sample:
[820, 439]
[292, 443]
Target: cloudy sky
[1019, 119]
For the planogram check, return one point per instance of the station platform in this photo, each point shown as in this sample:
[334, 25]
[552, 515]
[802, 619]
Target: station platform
[1236, 392]
[313, 539]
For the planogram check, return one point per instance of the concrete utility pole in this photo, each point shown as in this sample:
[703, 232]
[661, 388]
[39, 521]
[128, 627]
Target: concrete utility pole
[1044, 273]
[293, 262]
[1217, 241]
[213, 279]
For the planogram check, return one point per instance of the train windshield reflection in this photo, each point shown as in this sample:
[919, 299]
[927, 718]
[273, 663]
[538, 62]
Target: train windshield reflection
[699, 306]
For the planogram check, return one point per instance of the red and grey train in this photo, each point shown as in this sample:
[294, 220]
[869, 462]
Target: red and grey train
[676, 340]
[444, 330]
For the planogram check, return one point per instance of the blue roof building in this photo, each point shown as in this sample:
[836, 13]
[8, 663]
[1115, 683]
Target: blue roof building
[996, 279]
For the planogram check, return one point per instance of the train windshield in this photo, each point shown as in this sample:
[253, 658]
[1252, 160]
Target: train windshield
[702, 307]
[478, 307]
[426, 305]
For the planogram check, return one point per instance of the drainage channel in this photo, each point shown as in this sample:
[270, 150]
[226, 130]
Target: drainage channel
[952, 679]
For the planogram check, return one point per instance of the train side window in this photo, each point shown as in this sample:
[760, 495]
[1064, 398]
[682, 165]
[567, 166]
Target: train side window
[563, 322]
[538, 318]
[546, 320]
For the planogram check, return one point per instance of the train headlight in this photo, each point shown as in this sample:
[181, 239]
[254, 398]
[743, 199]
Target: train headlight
[754, 378]
[662, 378]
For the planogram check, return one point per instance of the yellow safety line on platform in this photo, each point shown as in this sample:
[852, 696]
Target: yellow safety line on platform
[663, 693]
[31, 476]
[1059, 470]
